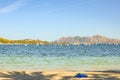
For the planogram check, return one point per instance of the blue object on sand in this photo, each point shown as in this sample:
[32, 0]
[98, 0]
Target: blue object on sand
[79, 75]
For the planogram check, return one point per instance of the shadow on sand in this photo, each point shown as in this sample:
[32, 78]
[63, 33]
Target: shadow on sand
[108, 75]
[23, 76]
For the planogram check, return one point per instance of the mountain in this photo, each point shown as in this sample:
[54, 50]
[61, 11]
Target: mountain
[96, 39]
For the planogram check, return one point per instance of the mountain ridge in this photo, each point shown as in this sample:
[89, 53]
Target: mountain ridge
[75, 40]
[96, 39]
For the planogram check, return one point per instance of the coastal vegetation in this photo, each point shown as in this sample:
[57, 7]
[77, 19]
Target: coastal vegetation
[25, 41]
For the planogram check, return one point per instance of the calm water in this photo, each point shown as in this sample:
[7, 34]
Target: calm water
[53, 57]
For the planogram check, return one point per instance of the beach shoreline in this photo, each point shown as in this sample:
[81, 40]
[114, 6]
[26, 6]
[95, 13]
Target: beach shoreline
[58, 75]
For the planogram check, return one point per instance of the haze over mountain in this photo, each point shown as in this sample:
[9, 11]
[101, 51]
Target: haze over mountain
[96, 39]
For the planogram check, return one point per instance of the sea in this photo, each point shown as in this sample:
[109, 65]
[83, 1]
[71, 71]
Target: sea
[60, 57]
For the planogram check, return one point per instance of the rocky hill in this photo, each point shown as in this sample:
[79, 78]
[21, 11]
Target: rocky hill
[96, 39]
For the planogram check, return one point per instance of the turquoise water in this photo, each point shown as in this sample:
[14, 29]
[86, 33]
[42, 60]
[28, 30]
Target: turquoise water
[52, 57]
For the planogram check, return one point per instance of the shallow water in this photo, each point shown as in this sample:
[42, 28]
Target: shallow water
[54, 57]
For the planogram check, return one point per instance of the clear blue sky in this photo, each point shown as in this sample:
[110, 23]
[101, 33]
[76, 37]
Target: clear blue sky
[51, 19]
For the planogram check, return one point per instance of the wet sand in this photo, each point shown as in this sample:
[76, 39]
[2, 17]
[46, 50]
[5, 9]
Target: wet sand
[59, 75]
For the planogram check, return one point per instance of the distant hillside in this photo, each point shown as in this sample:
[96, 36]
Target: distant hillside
[25, 41]
[3, 40]
[96, 39]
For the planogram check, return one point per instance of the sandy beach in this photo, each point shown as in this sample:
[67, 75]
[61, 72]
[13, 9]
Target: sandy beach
[59, 75]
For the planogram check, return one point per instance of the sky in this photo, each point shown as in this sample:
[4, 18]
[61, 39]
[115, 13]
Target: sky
[52, 19]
